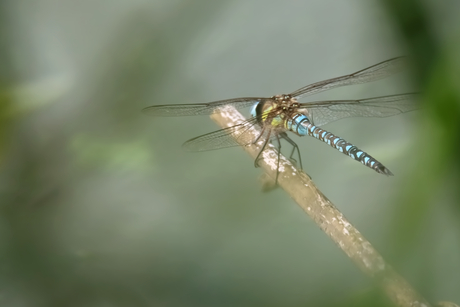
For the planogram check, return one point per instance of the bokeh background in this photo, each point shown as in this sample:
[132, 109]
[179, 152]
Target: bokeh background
[100, 206]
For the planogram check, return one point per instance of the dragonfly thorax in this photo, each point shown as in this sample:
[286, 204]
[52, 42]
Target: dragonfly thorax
[275, 111]
[285, 103]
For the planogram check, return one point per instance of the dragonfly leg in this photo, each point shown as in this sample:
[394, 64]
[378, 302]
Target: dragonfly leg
[267, 140]
[295, 148]
[279, 158]
[268, 184]
[258, 138]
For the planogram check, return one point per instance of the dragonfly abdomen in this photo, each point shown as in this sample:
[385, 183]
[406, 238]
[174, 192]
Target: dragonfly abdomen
[304, 127]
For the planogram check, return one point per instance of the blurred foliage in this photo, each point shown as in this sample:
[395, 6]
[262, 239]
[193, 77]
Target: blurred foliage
[5, 106]
[437, 71]
[94, 153]
[438, 75]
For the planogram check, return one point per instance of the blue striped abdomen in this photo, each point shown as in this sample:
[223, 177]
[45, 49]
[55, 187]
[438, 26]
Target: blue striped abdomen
[301, 125]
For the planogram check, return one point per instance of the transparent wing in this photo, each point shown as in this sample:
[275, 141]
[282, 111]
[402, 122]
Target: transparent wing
[201, 108]
[375, 72]
[323, 112]
[242, 134]
[245, 133]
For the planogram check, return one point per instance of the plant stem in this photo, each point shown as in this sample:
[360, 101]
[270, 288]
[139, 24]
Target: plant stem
[302, 189]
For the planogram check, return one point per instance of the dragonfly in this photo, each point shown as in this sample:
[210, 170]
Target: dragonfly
[274, 116]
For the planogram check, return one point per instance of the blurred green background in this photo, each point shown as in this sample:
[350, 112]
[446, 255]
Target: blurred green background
[101, 207]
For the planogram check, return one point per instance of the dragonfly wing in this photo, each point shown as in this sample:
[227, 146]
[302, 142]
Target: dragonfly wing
[323, 112]
[239, 135]
[200, 108]
[375, 72]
